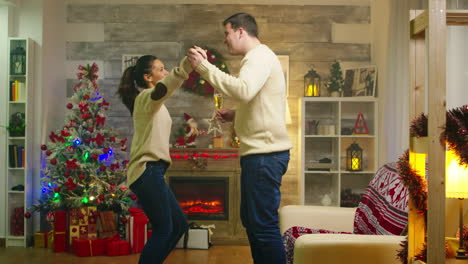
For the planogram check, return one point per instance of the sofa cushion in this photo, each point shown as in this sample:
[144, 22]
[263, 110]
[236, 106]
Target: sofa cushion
[293, 233]
[383, 209]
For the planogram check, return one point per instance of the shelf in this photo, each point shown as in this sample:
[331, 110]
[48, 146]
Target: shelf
[321, 172]
[357, 172]
[16, 138]
[320, 136]
[21, 192]
[17, 102]
[15, 237]
[358, 136]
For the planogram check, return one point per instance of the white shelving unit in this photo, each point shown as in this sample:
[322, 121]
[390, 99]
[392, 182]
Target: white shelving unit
[18, 173]
[326, 132]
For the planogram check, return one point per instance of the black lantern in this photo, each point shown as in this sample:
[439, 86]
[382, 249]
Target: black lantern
[354, 157]
[312, 83]
[18, 61]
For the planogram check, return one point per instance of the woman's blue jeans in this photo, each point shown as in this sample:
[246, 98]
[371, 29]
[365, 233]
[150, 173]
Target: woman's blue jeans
[160, 205]
[260, 199]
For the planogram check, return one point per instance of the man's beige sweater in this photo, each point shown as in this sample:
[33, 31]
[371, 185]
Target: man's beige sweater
[152, 124]
[260, 91]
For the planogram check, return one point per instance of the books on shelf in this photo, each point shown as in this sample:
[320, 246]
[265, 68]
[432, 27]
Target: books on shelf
[16, 156]
[17, 91]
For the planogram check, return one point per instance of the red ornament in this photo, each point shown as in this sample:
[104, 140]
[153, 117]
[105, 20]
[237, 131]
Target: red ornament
[69, 106]
[27, 215]
[48, 152]
[94, 156]
[53, 161]
[101, 197]
[57, 189]
[65, 133]
[123, 188]
[82, 176]
[87, 140]
[105, 150]
[66, 174]
[44, 147]
[90, 129]
[123, 220]
[86, 97]
[102, 168]
[112, 139]
[133, 196]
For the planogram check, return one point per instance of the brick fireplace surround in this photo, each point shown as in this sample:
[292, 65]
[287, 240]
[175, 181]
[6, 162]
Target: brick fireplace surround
[230, 231]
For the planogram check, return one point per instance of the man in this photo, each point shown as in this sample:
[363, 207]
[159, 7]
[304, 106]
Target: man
[260, 92]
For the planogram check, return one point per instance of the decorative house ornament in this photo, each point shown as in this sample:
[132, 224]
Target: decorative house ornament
[312, 83]
[18, 61]
[354, 157]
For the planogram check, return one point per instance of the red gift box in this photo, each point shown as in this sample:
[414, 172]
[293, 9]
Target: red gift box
[88, 247]
[117, 248]
[136, 229]
[82, 223]
[60, 225]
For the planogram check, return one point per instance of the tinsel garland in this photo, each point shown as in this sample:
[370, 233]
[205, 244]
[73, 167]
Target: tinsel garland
[455, 132]
[197, 85]
[415, 183]
[418, 127]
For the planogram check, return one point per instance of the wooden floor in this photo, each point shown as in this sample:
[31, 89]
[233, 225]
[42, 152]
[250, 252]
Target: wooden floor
[214, 255]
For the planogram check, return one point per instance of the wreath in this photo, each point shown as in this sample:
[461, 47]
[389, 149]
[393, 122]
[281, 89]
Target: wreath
[196, 84]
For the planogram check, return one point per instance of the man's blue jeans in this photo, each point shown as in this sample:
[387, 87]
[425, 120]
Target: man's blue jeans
[260, 199]
[160, 205]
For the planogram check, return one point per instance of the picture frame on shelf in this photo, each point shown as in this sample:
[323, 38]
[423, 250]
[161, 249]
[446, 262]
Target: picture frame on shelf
[360, 81]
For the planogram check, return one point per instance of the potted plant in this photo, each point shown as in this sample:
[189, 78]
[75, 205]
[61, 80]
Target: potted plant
[336, 82]
[17, 125]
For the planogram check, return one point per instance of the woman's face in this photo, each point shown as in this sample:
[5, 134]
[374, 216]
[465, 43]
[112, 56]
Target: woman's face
[158, 72]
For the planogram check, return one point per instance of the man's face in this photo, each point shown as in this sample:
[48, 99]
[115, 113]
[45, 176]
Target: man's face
[232, 39]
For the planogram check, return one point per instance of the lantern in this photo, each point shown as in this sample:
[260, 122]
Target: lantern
[312, 83]
[354, 158]
[18, 61]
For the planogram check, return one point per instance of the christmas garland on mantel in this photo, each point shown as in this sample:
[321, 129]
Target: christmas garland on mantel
[196, 84]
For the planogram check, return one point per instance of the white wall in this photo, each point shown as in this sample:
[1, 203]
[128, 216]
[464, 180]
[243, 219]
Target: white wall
[457, 69]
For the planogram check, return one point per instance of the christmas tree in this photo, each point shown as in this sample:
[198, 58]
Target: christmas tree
[336, 82]
[85, 160]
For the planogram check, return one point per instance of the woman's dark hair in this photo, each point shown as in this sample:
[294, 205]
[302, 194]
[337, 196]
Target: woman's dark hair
[245, 21]
[133, 77]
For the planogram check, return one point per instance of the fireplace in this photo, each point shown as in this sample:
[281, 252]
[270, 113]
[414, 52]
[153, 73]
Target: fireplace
[202, 198]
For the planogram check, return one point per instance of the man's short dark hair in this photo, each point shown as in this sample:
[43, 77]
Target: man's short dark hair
[245, 21]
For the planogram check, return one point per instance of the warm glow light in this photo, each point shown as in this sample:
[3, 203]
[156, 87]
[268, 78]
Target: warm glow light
[418, 163]
[355, 164]
[456, 176]
[192, 207]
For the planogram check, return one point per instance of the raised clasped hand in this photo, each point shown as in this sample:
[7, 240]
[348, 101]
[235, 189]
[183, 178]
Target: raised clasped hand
[195, 56]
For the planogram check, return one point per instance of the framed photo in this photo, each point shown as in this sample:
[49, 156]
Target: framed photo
[129, 60]
[360, 81]
[284, 60]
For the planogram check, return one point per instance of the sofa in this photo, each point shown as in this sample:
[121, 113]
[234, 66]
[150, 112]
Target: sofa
[371, 233]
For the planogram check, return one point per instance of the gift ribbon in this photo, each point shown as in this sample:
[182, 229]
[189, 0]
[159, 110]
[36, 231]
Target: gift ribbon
[91, 247]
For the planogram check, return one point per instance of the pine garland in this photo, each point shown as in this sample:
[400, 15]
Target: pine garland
[455, 133]
[197, 85]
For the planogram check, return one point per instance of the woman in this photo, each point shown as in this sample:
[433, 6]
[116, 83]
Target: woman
[143, 89]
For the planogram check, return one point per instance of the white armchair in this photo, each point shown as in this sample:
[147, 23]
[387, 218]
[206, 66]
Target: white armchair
[349, 248]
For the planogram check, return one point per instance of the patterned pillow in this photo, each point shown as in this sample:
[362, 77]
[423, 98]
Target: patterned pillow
[383, 209]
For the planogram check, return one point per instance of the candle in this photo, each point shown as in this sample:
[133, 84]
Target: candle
[355, 164]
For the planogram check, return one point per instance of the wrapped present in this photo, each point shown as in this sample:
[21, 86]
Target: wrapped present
[88, 247]
[117, 247]
[196, 237]
[60, 226]
[82, 223]
[137, 229]
[107, 227]
[41, 239]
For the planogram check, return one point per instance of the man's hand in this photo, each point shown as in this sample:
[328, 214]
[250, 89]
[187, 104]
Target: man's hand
[225, 115]
[196, 55]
